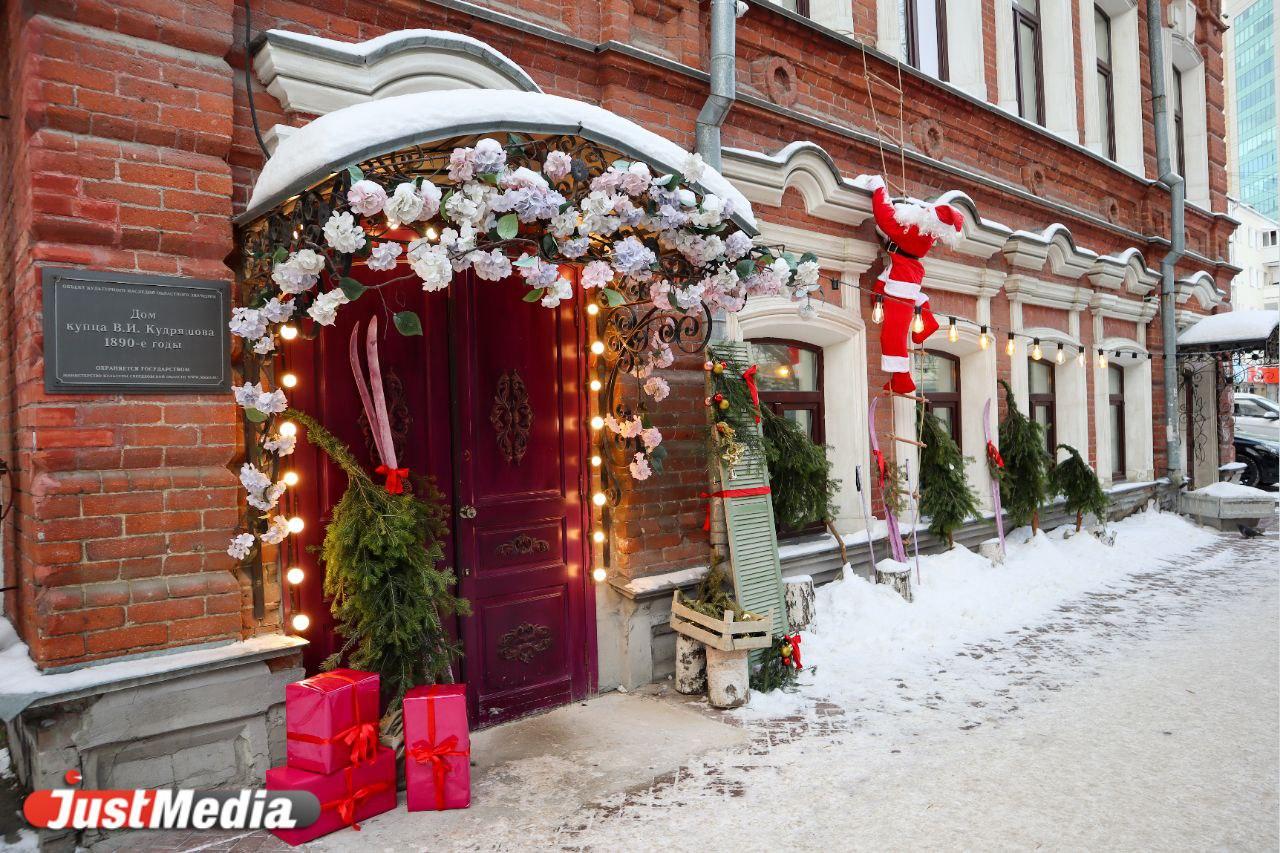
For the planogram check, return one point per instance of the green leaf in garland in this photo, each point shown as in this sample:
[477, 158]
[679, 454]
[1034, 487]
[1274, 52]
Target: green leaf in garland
[508, 226]
[352, 288]
[490, 178]
[525, 261]
[355, 173]
[255, 415]
[613, 298]
[515, 139]
[664, 180]
[621, 165]
[745, 267]
[656, 458]
[280, 255]
[549, 246]
[535, 294]
[808, 256]
[407, 323]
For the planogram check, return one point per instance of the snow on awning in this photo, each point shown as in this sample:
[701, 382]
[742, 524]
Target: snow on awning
[1232, 327]
[365, 130]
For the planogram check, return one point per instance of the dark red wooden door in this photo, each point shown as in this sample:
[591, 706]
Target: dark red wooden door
[517, 489]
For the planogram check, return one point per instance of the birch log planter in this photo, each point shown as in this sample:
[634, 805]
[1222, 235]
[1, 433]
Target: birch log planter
[800, 600]
[691, 665]
[727, 644]
[728, 678]
[896, 575]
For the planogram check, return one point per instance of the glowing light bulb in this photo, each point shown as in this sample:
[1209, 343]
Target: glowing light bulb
[431, 233]
[296, 524]
[917, 325]
[1102, 359]
[593, 309]
[877, 310]
[953, 331]
[290, 478]
[595, 385]
[984, 340]
[1061, 357]
[598, 537]
[599, 499]
[301, 622]
[289, 380]
[597, 347]
[599, 574]
[1010, 345]
[288, 332]
[1080, 358]
[294, 576]
[783, 370]
[288, 428]
[1036, 352]
[597, 422]
[595, 461]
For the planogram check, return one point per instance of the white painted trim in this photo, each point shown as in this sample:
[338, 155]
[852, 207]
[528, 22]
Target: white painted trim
[1022, 288]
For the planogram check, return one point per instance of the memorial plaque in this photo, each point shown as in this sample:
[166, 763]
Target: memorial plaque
[108, 332]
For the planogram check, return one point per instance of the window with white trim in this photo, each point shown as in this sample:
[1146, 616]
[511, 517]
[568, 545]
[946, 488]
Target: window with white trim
[1106, 80]
[925, 35]
[1028, 61]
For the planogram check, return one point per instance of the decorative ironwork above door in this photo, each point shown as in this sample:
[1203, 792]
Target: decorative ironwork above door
[397, 414]
[522, 544]
[511, 416]
[524, 642]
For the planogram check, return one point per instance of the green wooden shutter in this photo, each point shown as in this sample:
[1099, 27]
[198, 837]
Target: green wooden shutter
[753, 543]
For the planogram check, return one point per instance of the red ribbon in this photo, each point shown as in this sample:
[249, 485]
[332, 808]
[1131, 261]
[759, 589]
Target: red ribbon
[879, 464]
[428, 751]
[794, 640]
[750, 377]
[362, 737]
[993, 455]
[395, 478]
[346, 807]
[730, 493]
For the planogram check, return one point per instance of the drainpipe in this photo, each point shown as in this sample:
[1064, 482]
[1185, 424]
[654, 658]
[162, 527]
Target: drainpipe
[724, 84]
[1177, 241]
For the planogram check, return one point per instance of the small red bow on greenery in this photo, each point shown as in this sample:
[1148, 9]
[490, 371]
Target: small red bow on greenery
[791, 651]
[750, 377]
[395, 478]
[993, 455]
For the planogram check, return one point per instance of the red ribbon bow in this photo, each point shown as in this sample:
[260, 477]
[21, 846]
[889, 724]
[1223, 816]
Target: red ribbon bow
[993, 455]
[363, 740]
[794, 640]
[346, 807]
[424, 753]
[395, 478]
[750, 377]
[729, 493]
[879, 464]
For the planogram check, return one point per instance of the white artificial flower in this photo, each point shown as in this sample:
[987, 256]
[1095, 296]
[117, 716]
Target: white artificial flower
[470, 204]
[431, 263]
[557, 166]
[489, 155]
[247, 323]
[691, 296]
[384, 255]
[247, 395]
[240, 546]
[491, 266]
[366, 197]
[559, 290]
[563, 224]
[253, 480]
[267, 499]
[430, 200]
[639, 468]
[262, 346]
[597, 274]
[694, 167]
[276, 531]
[281, 445]
[325, 309]
[405, 204]
[636, 179]
[343, 234]
[781, 269]
[308, 261]
[710, 214]
[736, 245]
[292, 278]
[273, 403]
[657, 388]
[651, 437]
[807, 275]
[276, 311]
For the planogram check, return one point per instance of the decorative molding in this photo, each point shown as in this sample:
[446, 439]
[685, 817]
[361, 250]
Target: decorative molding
[960, 278]
[1202, 286]
[1028, 290]
[524, 642]
[522, 544]
[511, 417]
[804, 166]
[1055, 246]
[849, 255]
[775, 77]
[1126, 271]
[314, 75]
[982, 237]
[1053, 336]
[774, 317]
[1117, 308]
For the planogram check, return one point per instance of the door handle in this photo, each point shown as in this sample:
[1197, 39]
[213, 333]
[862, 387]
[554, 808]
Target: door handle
[467, 511]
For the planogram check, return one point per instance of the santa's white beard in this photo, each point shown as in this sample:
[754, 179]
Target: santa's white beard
[924, 218]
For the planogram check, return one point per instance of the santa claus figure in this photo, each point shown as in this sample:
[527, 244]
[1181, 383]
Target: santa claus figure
[908, 228]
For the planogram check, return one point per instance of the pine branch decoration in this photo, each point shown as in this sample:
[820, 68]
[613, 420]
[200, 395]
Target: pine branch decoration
[1025, 484]
[803, 489]
[945, 496]
[388, 596]
[1078, 483]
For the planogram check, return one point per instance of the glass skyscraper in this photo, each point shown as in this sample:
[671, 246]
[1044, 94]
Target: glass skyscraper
[1255, 106]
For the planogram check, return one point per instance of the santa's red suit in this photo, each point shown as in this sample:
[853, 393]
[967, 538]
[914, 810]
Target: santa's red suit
[909, 229]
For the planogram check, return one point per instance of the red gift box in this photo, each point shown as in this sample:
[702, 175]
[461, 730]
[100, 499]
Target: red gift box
[346, 797]
[437, 748]
[331, 720]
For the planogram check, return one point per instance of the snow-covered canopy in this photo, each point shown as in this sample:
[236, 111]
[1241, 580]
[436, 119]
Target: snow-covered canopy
[1232, 327]
[355, 133]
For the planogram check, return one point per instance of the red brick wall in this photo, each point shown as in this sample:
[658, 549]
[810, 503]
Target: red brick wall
[131, 143]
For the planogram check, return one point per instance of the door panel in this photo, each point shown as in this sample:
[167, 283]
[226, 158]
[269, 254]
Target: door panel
[519, 523]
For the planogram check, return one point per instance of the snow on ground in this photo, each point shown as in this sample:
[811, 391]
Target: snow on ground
[865, 632]
[1234, 490]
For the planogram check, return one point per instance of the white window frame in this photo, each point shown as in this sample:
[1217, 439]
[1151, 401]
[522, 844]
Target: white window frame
[1184, 56]
[966, 69]
[1126, 83]
[1057, 63]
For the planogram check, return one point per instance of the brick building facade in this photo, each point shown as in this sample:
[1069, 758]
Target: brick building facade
[129, 145]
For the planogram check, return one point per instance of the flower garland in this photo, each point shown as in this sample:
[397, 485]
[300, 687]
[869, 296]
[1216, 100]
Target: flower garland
[621, 227]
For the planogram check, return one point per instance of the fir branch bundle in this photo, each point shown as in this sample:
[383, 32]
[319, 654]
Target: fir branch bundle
[1025, 484]
[387, 595]
[894, 490]
[740, 413]
[773, 672]
[1077, 482]
[802, 488]
[945, 496]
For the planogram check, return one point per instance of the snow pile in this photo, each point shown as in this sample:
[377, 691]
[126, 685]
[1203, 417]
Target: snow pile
[21, 683]
[866, 634]
[1232, 327]
[1234, 490]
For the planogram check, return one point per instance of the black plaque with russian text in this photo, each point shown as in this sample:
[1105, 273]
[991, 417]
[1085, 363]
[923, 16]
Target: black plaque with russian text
[107, 332]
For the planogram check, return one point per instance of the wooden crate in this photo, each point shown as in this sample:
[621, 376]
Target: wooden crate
[723, 634]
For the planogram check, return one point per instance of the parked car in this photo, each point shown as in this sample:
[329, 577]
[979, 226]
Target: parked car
[1261, 459]
[1257, 416]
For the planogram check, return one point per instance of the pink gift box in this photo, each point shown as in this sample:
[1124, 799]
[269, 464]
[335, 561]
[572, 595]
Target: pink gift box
[331, 720]
[437, 748]
[346, 797]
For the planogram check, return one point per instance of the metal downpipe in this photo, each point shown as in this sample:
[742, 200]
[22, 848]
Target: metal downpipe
[724, 84]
